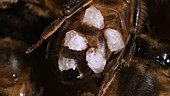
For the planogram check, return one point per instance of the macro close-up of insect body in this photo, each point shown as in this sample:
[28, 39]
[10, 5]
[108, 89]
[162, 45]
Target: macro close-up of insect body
[96, 41]
[97, 31]
[90, 33]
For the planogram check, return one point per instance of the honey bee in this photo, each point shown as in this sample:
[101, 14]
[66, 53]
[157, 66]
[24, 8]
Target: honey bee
[91, 36]
[97, 38]
[90, 18]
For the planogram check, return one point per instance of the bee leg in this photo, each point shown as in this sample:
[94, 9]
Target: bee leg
[71, 9]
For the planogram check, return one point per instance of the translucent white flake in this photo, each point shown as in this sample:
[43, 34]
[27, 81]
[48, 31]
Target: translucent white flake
[74, 41]
[93, 17]
[66, 63]
[95, 60]
[114, 39]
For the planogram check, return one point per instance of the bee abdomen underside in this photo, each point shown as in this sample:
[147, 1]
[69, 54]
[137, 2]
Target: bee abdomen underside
[91, 39]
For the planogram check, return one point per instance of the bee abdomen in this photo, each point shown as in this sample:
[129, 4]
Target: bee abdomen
[94, 34]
